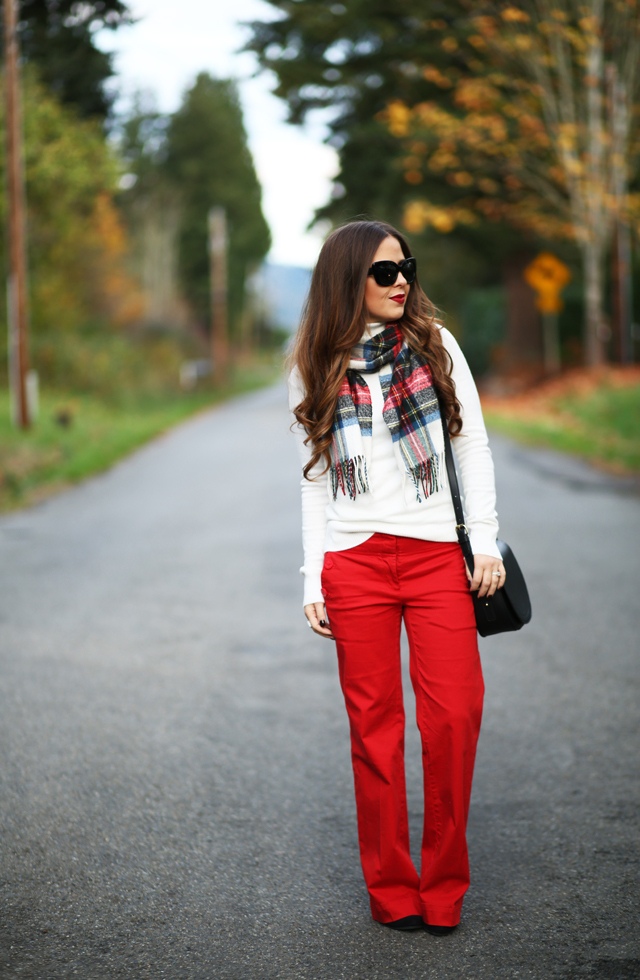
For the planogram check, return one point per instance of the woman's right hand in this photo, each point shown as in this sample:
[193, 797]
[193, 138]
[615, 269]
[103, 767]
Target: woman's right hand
[317, 617]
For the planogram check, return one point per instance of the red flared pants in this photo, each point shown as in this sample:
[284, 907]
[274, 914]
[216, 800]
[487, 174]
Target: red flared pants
[368, 590]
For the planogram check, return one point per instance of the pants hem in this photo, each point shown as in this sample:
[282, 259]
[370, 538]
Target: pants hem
[442, 915]
[392, 915]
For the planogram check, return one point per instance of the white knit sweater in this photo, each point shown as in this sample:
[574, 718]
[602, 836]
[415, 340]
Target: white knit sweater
[390, 506]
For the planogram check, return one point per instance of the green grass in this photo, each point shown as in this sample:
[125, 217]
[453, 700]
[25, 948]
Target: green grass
[51, 455]
[602, 426]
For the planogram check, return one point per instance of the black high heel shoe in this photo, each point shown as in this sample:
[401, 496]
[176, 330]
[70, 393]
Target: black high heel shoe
[408, 924]
[439, 930]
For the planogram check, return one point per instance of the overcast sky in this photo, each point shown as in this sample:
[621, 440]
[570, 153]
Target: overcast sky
[174, 40]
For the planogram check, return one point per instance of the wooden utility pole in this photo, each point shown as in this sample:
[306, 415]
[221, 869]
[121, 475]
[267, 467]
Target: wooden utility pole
[551, 343]
[218, 247]
[622, 298]
[17, 304]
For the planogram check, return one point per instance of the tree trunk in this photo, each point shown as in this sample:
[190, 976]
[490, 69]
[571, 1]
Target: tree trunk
[595, 328]
[523, 341]
[621, 294]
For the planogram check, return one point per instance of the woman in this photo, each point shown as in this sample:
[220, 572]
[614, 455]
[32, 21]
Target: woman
[372, 373]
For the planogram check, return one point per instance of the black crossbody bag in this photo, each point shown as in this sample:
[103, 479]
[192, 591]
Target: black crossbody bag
[509, 608]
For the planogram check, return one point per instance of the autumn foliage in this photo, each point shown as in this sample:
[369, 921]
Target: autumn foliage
[540, 131]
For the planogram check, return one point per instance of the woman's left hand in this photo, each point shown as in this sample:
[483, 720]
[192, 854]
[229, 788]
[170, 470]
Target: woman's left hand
[488, 575]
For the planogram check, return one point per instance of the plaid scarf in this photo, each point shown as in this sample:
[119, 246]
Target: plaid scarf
[410, 406]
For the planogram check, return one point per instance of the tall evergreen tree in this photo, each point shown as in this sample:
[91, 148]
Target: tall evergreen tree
[354, 58]
[208, 161]
[58, 37]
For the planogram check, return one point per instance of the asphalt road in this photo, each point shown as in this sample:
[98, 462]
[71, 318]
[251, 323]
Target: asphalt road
[175, 786]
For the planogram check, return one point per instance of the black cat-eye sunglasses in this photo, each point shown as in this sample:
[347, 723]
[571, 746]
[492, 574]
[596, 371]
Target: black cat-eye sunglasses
[386, 272]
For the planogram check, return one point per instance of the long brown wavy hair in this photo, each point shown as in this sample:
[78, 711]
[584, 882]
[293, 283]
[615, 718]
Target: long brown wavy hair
[334, 319]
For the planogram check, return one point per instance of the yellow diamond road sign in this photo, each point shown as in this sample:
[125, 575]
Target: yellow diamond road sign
[548, 276]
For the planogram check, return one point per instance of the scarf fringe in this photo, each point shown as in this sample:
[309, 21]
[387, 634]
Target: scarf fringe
[350, 476]
[426, 476]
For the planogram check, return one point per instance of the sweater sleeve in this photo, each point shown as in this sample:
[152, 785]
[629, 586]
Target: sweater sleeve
[474, 457]
[314, 504]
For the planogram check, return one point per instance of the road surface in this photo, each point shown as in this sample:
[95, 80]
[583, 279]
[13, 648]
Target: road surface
[175, 786]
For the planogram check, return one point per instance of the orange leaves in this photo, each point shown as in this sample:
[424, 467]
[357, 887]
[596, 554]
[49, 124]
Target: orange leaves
[430, 115]
[589, 25]
[486, 26]
[412, 174]
[479, 149]
[419, 215]
[492, 124]
[533, 130]
[633, 211]
[460, 178]
[449, 136]
[472, 129]
[523, 42]
[556, 174]
[442, 160]
[517, 137]
[527, 212]
[433, 74]
[567, 136]
[476, 94]
[513, 15]
[109, 227]
[117, 293]
[488, 186]
[397, 117]
[77, 243]
[492, 210]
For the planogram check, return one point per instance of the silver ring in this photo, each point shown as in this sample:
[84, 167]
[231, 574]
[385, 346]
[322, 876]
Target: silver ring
[497, 573]
[309, 624]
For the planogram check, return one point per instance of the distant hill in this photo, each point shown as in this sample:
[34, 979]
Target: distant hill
[282, 290]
